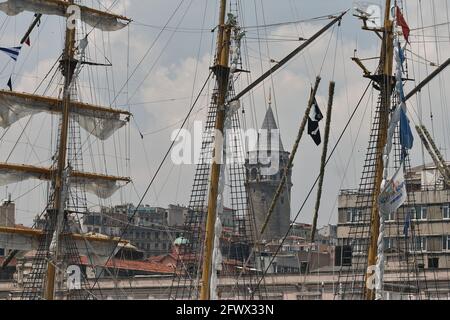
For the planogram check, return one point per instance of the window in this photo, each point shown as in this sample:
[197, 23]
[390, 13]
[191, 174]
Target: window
[446, 212]
[349, 215]
[419, 213]
[420, 244]
[391, 216]
[433, 263]
[388, 243]
[354, 215]
[446, 243]
[358, 245]
[423, 212]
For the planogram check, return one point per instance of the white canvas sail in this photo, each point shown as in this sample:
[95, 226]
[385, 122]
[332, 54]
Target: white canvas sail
[96, 19]
[99, 122]
[100, 185]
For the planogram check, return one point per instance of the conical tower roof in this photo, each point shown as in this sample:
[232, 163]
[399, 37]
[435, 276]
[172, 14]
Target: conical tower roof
[271, 128]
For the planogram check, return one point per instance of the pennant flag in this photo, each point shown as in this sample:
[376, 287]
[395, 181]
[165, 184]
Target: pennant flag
[10, 84]
[394, 193]
[407, 225]
[402, 23]
[13, 52]
[28, 42]
[406, 136]
[313, 123]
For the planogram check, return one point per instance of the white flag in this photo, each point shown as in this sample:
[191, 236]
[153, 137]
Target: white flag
[393, 194]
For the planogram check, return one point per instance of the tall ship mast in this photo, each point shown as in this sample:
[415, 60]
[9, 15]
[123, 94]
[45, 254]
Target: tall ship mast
[386, 204]
[58, 246]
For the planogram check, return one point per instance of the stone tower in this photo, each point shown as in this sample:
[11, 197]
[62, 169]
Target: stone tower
[264, 172]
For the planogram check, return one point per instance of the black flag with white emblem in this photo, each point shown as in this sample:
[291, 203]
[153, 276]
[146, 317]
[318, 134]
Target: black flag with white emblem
[313, 123]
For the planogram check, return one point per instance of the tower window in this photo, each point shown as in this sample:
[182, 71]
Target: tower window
[254, 174]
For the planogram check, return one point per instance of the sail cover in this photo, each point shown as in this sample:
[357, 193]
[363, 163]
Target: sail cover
[99, 122]
[96, 19]
[100, 185]
[103, 189]
[9, 176]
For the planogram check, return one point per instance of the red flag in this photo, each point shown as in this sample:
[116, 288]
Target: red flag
[402, 22]
[28, 42]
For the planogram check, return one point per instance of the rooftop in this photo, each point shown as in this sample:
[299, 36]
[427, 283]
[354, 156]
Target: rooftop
[146, 266]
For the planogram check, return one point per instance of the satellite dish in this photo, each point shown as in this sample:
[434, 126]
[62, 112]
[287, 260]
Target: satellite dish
[370, 12]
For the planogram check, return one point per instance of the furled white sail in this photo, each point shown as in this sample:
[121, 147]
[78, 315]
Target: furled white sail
[8, 177]
[100, 185]
[100, 122]
[94, 18]
[103, 189]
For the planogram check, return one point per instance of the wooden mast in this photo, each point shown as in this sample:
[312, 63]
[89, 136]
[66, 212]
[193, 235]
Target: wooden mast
[386, 85]
[68, 65]
[221, 70]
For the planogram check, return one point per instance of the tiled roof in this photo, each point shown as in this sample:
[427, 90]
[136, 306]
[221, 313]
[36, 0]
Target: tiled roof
[12, 263]
[146, 266]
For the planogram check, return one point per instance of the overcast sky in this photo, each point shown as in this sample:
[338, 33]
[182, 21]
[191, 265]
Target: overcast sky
[166, 68]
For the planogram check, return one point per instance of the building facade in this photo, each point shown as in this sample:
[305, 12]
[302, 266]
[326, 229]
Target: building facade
[419, 230]
[7, 218]
[151, 229]
[264, 168]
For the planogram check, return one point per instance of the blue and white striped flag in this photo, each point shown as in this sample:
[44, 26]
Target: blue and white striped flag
[13, 52]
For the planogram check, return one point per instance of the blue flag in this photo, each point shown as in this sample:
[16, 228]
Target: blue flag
[13, 52]
[407, 224]
[406, 136]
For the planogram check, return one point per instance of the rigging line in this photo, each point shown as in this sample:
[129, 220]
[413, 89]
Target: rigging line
[420, 57]
[350, 158]
[158, 170]
[426, 69]
[320, 18]
[316, 181]
[295, 12]
[193, 86]
[260, 55]
[99, 19]
[326, 51]
[157, 101]
[271, 75]
[148, 51]
[431, 26]
[162, 51]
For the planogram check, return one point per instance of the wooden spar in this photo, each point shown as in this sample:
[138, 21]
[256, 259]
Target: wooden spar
[54, 104]
[428, 79]
[292, 156]
[288, 57]
[36, 20]
[75, 236]
[47, 173]
[385, 78]
[323, 161]
[222, 71]
[67, 64]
